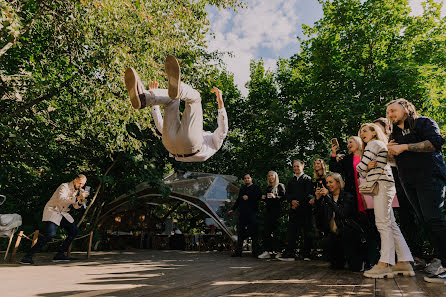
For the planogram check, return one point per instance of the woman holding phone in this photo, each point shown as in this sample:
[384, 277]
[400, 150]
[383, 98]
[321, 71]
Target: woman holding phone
[346, 165]
[335, 211]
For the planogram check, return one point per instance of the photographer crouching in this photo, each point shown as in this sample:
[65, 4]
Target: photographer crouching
[336, 212]
[56, 214]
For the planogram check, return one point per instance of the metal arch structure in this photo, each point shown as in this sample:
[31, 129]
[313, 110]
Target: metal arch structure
[152, 196]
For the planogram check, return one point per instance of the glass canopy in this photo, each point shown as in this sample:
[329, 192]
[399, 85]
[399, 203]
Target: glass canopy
[214, 189]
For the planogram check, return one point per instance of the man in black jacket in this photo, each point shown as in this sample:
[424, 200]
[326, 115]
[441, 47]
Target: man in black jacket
[299, 193]
[417, 147]
[247, 203]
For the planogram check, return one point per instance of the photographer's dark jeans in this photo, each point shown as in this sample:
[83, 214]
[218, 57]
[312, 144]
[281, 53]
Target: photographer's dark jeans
[427, 194]
[50, 232]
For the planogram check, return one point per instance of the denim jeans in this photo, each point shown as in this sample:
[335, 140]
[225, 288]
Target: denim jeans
[427, 194]
[50, 232]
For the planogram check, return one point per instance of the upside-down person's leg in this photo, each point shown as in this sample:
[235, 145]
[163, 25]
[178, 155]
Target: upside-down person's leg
[190, 133]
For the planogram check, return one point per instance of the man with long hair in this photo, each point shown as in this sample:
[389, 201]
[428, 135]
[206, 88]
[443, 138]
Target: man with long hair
[416, 144]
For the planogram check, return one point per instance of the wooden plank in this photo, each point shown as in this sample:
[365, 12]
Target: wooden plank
[89, 245]
[294, 279]
[366, 287]
[9, 243]
[387, 288]
[35, 238]
[434, 290]
[17, 243]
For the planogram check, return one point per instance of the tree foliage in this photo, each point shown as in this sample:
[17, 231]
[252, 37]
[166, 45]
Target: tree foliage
[64, 105]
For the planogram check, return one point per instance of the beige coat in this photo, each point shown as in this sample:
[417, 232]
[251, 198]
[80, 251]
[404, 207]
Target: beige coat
[59, 204]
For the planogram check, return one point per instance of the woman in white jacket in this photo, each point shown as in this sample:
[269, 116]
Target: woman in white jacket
[392, 240]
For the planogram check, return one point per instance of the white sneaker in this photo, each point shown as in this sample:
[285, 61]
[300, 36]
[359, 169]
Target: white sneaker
[265, 255]
[307, 259]
[403, 269]
[433, 266]
[379, 272]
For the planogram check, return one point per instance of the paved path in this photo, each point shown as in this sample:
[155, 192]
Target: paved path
[186, 273]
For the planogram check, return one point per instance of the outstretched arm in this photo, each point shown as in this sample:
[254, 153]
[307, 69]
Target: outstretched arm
[156, 112]
[222, 120]
[219, 95]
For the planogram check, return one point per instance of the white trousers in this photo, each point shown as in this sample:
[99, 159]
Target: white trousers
[183, 136]
[391, 238]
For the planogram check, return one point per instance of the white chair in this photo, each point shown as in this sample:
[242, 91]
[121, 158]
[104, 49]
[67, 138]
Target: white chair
[8, 225]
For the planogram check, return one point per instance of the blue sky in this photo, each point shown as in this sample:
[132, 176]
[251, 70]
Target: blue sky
[266, 29]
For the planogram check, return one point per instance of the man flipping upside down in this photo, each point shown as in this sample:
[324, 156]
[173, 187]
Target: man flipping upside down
[184, 139]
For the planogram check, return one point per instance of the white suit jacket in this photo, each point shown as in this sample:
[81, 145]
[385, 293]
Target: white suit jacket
[59, 204]
[212, 141]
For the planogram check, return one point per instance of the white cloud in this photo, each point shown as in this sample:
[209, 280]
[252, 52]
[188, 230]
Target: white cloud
[262, 30]
[417, 8]
[265, 30]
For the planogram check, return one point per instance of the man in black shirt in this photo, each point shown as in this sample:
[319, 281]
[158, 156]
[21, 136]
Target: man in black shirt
[416, 145]
[299, 193]
[247, 203]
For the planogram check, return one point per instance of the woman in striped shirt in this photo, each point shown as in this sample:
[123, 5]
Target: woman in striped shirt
[392, 240]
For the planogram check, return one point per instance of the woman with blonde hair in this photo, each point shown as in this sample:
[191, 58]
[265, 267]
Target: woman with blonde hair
[335, 211]
[319, 173]
[274, 194]
[375, 149]
[346, 165]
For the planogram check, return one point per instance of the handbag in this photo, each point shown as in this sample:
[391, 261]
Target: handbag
[369, 188]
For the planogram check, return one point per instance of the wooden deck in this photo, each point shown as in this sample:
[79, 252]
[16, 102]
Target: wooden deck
[179, 273]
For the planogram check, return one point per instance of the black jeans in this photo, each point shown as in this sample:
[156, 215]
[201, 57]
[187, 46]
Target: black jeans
[247, 227]
[408, 221]
[427, 194]
[372, 237]
[346, 246]
[300, 223]
[270, 229]
[50, 232]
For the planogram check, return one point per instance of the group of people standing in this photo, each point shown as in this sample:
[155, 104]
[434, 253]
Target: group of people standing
[394, 161]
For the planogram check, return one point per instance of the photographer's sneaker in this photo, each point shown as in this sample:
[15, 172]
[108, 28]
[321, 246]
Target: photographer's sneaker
[172, 68]
[379, 272]
[27, 261]
[135, 88]
[60, 258]
[432, 267]
[403, 269]
[264, 255]
[438, 278]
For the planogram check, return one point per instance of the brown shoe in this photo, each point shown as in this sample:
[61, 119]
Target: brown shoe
[134, 87]
[173, 76]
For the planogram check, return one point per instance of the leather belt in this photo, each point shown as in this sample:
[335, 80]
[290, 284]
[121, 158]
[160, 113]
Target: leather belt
[185, 155]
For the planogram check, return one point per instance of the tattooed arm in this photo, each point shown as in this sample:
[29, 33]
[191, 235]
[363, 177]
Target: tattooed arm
[421, 147]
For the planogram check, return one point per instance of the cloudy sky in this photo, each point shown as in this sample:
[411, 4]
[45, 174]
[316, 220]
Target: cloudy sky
[266, 29]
